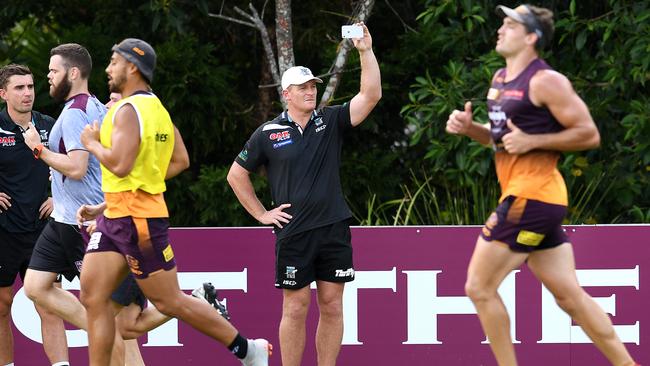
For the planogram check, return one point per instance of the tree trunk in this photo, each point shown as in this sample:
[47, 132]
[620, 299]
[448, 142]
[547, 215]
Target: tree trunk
[283, 35]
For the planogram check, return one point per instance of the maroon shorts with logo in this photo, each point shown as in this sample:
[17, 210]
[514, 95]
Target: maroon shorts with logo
[526, 225]
[143, 242]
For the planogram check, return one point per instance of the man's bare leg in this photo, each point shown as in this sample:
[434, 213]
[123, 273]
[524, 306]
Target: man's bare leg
[295, 307]
[101, 274]
[491, 262]
[55, 342]
[6, 336]
[329, 334]
[40, 289]
[555, 268]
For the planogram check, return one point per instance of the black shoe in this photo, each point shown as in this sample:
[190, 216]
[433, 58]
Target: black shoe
[208, 293]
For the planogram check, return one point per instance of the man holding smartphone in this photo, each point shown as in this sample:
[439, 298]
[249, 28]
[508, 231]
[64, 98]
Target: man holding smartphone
[300, 150]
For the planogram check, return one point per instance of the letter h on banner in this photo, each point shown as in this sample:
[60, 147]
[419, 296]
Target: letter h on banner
[424, 306]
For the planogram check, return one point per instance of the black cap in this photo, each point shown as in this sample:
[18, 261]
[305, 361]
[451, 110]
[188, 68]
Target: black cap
[522, 14]
[139, 53]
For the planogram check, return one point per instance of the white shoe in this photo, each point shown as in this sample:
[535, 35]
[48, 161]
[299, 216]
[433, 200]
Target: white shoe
[258, 354]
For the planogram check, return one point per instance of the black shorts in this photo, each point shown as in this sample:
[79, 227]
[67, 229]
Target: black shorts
[129, 292]
[324, 253]
[59, 249]
[526, 225]
[15, 253]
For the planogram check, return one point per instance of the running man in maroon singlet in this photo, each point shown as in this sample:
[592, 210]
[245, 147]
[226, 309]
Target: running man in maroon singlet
[534, 115]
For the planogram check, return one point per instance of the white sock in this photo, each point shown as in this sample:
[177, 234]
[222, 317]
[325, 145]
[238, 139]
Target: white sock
[9, 364]
[62, 363]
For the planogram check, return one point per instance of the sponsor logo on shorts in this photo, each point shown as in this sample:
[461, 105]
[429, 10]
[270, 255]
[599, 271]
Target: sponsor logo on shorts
[134, 265]
[168, 253]
[93, 243]
[529, 238]
[344, 273]
[291, 272]
[491, 222]
[283, 143]
[289, 283]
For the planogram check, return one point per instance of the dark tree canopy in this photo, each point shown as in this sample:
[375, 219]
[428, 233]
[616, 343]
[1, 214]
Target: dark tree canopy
[399, 167]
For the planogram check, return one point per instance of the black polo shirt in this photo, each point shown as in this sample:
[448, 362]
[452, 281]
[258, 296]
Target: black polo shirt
[302, 166]
[24, 178]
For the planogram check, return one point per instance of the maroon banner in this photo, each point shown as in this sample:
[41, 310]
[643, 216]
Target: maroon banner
[406, 305]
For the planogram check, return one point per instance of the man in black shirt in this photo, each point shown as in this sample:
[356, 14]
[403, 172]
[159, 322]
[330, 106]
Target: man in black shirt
[24, 205]
[301, 152]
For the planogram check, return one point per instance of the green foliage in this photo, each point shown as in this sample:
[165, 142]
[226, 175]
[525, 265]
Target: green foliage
[399, 167]
[429, 201]
[213, 203]
[591, 41]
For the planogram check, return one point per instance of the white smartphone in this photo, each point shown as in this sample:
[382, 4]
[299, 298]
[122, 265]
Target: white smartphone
[352, 31]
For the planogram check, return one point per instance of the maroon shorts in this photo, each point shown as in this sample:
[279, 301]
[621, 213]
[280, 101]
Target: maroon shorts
[143, 242]
[526, 225]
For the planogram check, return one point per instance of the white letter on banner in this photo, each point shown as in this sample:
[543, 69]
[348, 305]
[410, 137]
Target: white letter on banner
[28, 322]
[166, 335]
[424, 306]
[362, 280]
[556, 324]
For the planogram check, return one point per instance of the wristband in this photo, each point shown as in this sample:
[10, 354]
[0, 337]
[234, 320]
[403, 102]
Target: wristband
[37, 151]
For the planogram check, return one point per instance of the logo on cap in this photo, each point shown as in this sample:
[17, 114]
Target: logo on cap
[138, 51]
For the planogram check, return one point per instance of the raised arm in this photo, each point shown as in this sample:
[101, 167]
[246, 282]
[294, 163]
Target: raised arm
[73, 164]
[370, 90]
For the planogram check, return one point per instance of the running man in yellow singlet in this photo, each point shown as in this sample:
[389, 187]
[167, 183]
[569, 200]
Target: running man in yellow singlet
[534, 115]
[138, 148]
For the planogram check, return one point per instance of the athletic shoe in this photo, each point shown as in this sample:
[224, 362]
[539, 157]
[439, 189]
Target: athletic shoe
[208, 293]
[258, 354]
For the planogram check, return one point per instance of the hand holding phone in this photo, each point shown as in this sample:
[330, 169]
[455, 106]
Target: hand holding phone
[352, 31]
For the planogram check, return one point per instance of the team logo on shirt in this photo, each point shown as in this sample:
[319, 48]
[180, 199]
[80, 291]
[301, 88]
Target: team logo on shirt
[493, 94]
[497, 116]
[44, 136]
[243, 155]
